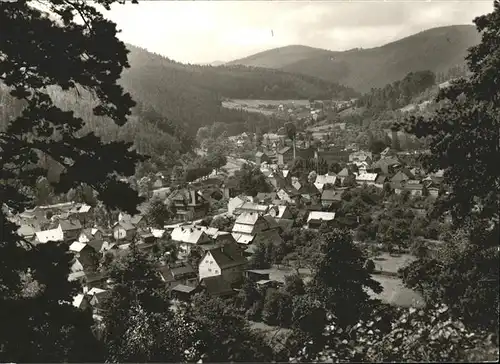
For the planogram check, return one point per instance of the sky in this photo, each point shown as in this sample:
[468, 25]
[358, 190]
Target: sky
[207, 31]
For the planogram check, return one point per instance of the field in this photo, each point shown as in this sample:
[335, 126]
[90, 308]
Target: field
[259, 105]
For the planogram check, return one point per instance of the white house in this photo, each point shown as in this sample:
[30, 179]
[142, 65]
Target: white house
[316, 218]
[322, 180]
[226, 261]
[49, 235]
[187, 236]
[368, 178]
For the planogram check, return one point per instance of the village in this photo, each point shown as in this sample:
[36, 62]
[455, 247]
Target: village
[215, 228]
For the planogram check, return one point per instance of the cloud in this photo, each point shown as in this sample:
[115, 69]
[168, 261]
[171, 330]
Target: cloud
[204, 31]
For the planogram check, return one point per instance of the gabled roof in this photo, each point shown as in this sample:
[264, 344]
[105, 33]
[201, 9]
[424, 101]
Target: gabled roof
[323, 179]
[228, 256]
[320, 216]
[252, 207]
[331, 195]
[399, 177]
[284, 150]
[183, 288]
[344, 173]
[216, 286]
[243, 238]
[96, 244]
[271, 222]
[50, 235]
[261, 196]
[371, 177]
[125, 225]
[268, 236]
[26, 230]
[77, 246]
[380, 179]
[247, 218]
[69, 225]
[189, 235]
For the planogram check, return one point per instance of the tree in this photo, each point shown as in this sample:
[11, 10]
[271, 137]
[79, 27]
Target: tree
[223, 335]
[138, 292]
[223, 223]
[291, 133]
[294, 285]
[464, 137]
[158, 214]
[90, 59]
[260, 258]
[251, 181]
[340, 279]
[335, 167]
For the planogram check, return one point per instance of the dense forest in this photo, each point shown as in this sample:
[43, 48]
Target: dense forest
[399, 93]
[191, 95]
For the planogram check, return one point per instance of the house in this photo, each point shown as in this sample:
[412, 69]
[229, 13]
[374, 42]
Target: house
[183, 292]
[80, 212]
[189, 204]
[308, 189]
[161, 193]
[71, 229]
[265, 197]
[138, 221]
[415, 187]
[331, 198]
[361, 156]
[380, 180]
[288, 194]
[322, 180]
[251, 207]
[237, 201]
[216, 286]
[268, 236]
[250, 223]
[230, 188]
[280, 212]
[81, 301]
[316, 218]
[56, 234]
[343, 174]
[85, 254]
[98, 298]
[261, 157]
[226, 261]
[124, 230]
[26, 231]
[368, 178]
[386, 165]
[178, 273]
[277, 179]
[186, 237]
[285, 156]
[400, 178]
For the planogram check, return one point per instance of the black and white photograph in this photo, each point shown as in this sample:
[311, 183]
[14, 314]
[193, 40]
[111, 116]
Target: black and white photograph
[249, 181]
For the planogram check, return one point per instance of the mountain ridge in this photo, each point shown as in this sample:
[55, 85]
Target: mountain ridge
[436, 49]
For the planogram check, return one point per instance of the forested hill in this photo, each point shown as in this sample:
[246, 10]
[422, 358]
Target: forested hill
[436, 49]
[191, 94]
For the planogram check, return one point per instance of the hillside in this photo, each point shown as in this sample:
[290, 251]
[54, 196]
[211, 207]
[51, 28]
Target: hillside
[436, 49]
[281, 57]
[191, 94]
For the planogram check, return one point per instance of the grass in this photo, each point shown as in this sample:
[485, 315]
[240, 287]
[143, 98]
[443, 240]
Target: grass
[392, 263]
[395, 293]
